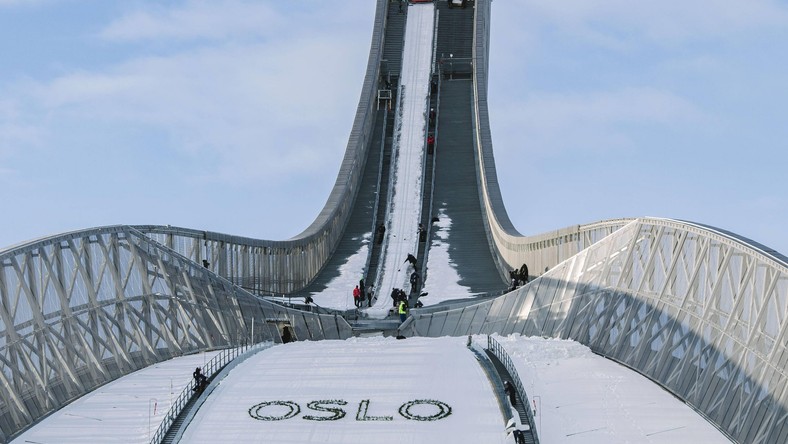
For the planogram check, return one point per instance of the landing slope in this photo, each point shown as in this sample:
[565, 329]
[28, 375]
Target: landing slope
[580, 397]
[387, 391]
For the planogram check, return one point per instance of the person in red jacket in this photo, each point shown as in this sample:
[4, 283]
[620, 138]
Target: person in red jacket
[357, 296]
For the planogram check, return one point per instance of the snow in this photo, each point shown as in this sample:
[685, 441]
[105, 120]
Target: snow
[404, 212]
[580, 398]
[386, 372]
[338, 293]
[442, 280]
[126, 410]
[584, 398]
[409, 147]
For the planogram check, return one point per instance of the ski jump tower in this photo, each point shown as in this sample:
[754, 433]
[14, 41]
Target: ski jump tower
[699, 310]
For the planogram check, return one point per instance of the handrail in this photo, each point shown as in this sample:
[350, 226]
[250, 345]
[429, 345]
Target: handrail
[424, 253]
[210, 370]
[500, 353]
[376, 205]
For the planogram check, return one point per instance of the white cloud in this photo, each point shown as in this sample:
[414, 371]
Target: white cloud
[196, 19]
[13, 136]
[185, 128]
[598, 120]
[615, 23]
[234, 103]
[14, 133]
[18, 2]
[242, 104]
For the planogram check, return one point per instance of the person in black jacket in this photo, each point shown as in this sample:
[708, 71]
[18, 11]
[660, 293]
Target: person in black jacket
[509, 389]
[200, 380]
[415, 281]
[522, 275]
[412, 259]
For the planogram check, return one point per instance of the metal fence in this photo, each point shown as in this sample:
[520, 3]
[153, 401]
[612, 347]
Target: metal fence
[698, 311]
[81, 309]
[500, 353]
[210, 369]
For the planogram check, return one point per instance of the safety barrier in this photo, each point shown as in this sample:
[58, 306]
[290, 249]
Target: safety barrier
[698, 311]
[500, 353]
[84, 308]
[210, 369]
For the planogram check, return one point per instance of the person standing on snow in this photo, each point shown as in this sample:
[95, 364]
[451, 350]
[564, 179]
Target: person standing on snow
[415, 280]
[412, 259]
[403, 310]
[357, 296]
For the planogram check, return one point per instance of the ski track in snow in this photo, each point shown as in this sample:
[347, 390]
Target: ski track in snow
[404, 213]
[405, 206]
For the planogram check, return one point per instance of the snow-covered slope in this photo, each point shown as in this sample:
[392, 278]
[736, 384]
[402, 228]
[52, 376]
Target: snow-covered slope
[388, 391]
[404, 211]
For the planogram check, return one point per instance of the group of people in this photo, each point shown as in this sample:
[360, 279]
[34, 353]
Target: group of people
[519, 277]
[398, 295]
[361, 293]
[401, 303]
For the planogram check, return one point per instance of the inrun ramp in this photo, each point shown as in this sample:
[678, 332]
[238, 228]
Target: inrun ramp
[404, 211]
[404, 184]
[695, 308]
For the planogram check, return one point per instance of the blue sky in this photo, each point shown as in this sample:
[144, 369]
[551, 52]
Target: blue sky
[233, 116]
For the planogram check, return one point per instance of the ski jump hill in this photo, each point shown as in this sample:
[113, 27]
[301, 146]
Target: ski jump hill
[698, 310]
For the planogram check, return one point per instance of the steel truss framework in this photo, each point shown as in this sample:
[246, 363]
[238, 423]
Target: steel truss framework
[81, 309]
[702, 314]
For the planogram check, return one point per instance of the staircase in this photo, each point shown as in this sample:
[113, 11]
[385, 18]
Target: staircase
[175, 428]
[508, 373]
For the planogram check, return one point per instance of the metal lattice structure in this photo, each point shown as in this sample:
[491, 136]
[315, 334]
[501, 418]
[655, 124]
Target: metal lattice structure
[701, 313]
[81, 309]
